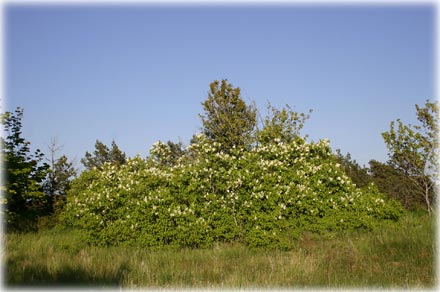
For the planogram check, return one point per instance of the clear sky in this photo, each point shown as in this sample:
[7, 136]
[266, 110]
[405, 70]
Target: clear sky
[138, 73]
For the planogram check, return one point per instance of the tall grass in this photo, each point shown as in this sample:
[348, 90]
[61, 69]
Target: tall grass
[398, 255]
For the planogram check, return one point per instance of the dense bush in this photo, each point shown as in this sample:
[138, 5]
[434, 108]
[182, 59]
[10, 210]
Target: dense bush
[265, 196]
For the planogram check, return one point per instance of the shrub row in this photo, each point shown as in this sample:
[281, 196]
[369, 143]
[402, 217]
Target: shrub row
[264, 197]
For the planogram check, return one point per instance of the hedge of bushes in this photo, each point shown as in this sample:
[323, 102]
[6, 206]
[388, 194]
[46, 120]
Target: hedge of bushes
[264, 196]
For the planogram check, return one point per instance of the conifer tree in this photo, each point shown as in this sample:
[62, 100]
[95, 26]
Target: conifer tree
[23, 172]
[227, 119]
[103, 154]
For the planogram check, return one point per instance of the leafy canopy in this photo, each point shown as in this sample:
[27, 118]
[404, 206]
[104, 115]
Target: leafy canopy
[413, 150]
[284, 124]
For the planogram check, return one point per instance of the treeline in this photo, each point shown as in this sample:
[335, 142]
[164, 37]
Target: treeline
[35, 188]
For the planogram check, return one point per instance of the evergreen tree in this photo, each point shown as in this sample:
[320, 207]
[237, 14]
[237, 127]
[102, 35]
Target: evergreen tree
[103, 154]
[23, 172]
[58, 182]
[228, 120]
[395, 183]
[359, 175]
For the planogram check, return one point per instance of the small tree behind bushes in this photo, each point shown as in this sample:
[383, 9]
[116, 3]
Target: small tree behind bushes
[358, 174]
[389, 180]
[103, 154]
[396, 184]
[228, 120]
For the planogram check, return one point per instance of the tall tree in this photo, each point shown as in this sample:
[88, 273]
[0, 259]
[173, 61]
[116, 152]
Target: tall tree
[413, 150]
[103, 154]
[227, 119]
[23, 172]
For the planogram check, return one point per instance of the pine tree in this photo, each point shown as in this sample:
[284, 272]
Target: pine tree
[103, 154]
[23, 172]
[227, 119]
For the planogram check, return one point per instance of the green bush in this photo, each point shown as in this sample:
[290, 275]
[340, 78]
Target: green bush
[264, 197]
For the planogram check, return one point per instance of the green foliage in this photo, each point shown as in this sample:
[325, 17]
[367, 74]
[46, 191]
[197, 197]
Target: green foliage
[284, 124]
[414, 150]
[359, 175]
[56, 186]
[59, 177]
[64, 172]
[24, 173]
[167, 154]
[103, 154]
[264, 197]
[396, 184]
[228, 120]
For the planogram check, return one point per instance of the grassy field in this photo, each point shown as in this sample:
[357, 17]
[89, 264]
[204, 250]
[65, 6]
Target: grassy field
[399, 255]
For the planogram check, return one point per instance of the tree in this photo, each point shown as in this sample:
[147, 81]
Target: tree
[103, 154]
[395, 183]
[228, 120]
[359, 175]
[50, 183]
[23, 172]
[59, 177]
[413, 150]
[167, 154]
[64, 172]
[284, 124]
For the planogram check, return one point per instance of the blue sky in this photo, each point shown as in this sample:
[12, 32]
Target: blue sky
[138, 73]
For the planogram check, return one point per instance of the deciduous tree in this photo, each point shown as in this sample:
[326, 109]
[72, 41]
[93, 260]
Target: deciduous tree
[413, 149]
[284, 124]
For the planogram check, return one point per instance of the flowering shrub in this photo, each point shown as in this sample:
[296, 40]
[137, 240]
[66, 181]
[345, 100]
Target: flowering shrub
[265, 196]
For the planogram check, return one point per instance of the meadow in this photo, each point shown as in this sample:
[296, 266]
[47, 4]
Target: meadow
[394, 255]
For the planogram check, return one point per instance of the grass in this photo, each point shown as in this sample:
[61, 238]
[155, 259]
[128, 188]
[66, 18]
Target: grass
[397, 255]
